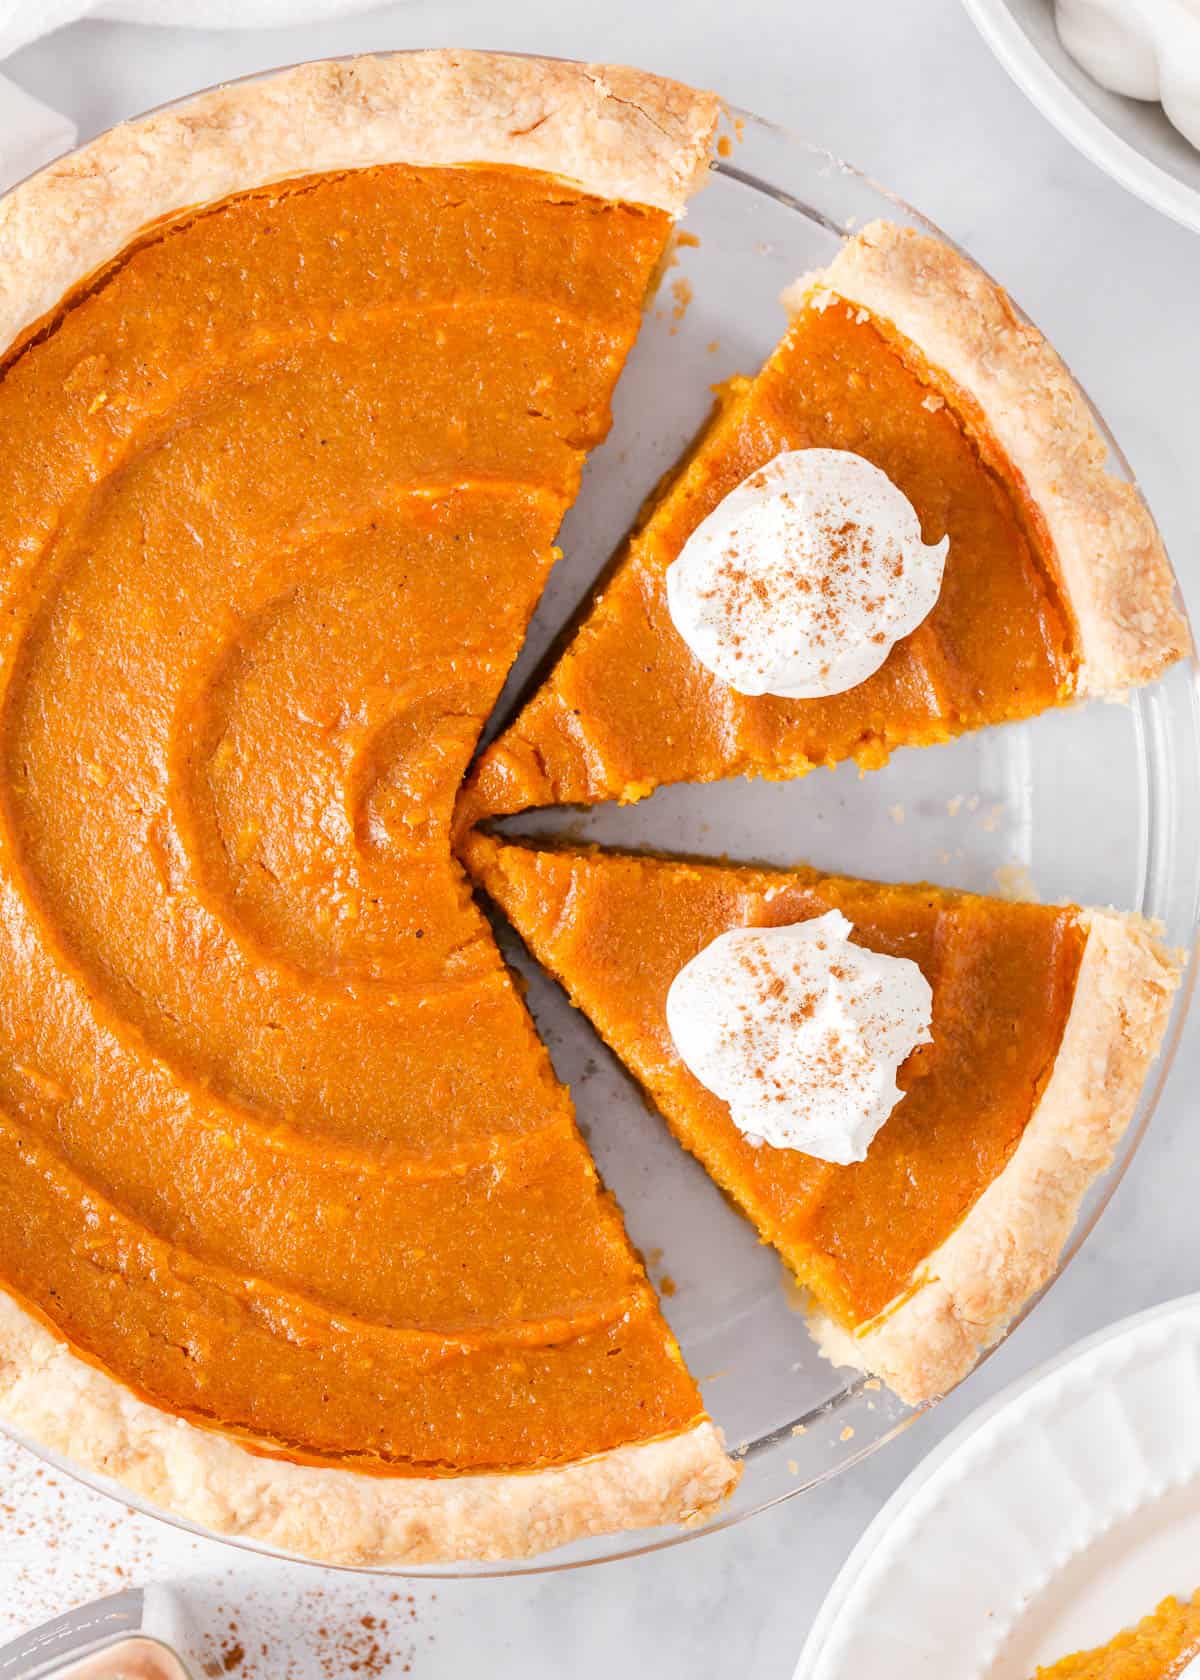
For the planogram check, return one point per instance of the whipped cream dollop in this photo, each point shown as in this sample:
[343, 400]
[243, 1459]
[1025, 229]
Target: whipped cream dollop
[800, 1032]
[802, 580]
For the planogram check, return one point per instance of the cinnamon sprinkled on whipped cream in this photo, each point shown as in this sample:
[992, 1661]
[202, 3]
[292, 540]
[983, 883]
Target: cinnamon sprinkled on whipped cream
[800, 1032]
[801, 581]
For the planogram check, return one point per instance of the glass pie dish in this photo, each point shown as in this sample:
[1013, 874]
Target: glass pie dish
[1099, 805]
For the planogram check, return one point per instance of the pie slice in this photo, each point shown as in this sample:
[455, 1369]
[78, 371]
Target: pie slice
[1158, 1648]
[1056, 586]
[297, 1235]
[1045, 1020]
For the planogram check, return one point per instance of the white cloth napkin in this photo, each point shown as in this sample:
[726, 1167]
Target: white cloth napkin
[31, 133]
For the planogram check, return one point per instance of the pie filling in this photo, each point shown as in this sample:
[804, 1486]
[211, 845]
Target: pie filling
[1003, 978]
[279, 1147]
[1158, 1648]
[629, 707]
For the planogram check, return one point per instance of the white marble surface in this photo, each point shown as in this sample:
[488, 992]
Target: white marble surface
[910, 94]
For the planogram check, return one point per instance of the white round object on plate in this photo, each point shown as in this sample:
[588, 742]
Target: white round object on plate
[1143, 49]
[1129, 139]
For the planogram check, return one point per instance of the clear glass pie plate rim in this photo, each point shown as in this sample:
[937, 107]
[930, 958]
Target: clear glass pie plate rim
[803, 1451]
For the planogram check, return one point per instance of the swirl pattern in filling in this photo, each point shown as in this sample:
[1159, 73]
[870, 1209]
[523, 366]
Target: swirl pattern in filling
[279, 1147]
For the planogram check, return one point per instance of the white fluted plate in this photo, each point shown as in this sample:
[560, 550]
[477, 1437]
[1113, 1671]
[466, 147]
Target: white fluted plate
[1061, 1512]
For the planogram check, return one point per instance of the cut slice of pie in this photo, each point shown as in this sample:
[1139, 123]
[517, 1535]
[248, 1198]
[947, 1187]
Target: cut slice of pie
[297, 1235]
[1045, 1020]
[1056, 586]
[1159, 1648]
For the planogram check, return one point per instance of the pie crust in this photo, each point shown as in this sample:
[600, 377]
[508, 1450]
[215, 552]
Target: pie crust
[999, 373]
[966, 1293]
[69, 1406]
[614, 132]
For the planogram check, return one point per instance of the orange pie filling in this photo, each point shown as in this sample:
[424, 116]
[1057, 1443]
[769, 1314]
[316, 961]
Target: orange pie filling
[279, 1147]
[629, 707]
[1158, 1648]
[617, 929]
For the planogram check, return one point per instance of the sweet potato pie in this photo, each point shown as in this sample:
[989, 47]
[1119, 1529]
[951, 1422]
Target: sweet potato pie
[298, 1236]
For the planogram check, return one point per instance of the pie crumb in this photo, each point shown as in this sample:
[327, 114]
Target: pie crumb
[1014, 880]
[681, 291]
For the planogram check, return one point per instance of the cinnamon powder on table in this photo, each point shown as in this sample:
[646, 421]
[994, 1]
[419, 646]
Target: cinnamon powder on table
[63, 1546]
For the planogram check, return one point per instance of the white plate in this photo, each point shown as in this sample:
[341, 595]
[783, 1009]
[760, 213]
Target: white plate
[1060, 1513]
[1129, 139]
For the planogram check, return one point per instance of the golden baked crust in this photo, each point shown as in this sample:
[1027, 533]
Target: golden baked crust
[999, 373]
[1007, 1247]
[70, 1407]
[612, 131]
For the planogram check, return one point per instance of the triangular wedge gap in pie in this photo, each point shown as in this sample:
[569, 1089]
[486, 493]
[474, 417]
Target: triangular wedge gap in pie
[1056, 585]
[1045, 1020]
[297, 1236]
